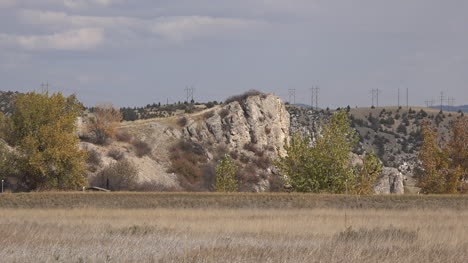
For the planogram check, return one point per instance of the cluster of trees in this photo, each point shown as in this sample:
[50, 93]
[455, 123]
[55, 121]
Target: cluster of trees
[42, 132]
[157, 110]
[324, 165]
[444, 169]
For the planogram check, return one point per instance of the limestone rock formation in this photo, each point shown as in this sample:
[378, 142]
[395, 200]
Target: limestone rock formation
[260, 120]
[390, 181]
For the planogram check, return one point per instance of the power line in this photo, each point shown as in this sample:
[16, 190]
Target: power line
[407, 97]
[377, 91]
[451, 102]
[189, 92]
[312, 97]
[375, 96]
[292, 96]
[46, 85]
[316, 91]
[398, 97]
[441, 100]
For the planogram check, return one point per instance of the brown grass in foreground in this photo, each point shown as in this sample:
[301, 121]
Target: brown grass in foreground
[139, 200]
[233, 235]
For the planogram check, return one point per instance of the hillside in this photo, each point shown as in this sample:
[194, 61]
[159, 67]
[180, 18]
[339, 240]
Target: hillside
[185, 148]
[179, 151]
[393, 133]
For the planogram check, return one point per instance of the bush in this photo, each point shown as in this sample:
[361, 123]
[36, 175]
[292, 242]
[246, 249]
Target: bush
[141, 148]
[225, 175]
[119, 176]
[93, 158]
[241, 98]
[208, 114]
[103, 123]
[182, 121]
[223, 113]
[186, 158]
[123, 136]
[263, 162]
[276, 183]
[115, 154]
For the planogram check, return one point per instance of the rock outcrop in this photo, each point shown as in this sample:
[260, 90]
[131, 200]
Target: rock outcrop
[260, 120]
[390, 181]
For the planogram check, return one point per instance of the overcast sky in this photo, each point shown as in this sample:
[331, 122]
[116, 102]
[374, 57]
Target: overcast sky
[143, 51]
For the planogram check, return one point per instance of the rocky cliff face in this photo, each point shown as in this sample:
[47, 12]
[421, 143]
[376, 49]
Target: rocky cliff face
[261, 121]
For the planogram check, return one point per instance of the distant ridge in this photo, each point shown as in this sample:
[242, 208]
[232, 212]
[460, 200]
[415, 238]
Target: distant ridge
[463, 108]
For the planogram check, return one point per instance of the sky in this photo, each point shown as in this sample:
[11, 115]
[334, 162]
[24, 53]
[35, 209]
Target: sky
[132, 53]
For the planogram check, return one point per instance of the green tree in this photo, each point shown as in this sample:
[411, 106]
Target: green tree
[225, 175]
[322, 166]
[43, 130]
[371, 168]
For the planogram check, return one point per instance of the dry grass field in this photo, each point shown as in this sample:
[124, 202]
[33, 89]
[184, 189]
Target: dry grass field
[273, 228]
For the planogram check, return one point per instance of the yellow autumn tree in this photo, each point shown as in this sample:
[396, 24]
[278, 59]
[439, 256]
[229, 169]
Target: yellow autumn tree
[434, 162]
[457, 147]
[43, 130]
[368, 174]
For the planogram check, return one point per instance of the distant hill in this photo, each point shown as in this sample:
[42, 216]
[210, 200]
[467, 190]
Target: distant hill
[463, 108]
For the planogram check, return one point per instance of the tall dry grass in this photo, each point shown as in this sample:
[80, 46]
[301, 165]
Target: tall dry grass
[233, 235]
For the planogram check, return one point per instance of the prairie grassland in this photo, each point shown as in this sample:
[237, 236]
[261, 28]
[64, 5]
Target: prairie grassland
[142, 200]
[233, 235]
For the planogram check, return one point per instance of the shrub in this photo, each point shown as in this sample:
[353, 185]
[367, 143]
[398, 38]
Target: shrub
[242, 97]
[115, 154]
[186, 158]
[225, 175]
[123, 136]
[276, 183]
[234, 155]
[103, 123]
[250, 147]
[93, 158]
[141, 148]
[119, 176]
[208, 114]
[223, 113]
[182, 121]
[263, 162]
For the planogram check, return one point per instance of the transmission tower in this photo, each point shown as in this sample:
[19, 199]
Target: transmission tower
[312, 98]
[292, 96]
[373, 96]
[316, 92]
[44, 87]
[398, 97]
[451, 101]
[407, 97]
[189, 93]
[377, 92]
[442, 96]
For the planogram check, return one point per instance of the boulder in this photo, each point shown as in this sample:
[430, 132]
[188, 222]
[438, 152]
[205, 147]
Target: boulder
[390, 181]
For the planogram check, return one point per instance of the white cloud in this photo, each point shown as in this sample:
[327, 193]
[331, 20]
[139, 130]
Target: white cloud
[81, 39]
[53, 19]
[172, 28]
[7, 3]
[78, 4]
[180, 29]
